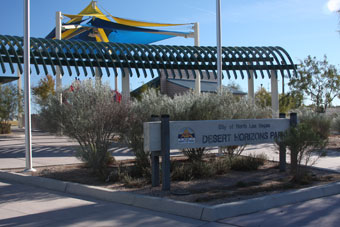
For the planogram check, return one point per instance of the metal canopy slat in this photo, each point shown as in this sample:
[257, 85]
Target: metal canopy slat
[9, 42]
[73, 58]
[153, 57]
[140, 48]
[76, 49]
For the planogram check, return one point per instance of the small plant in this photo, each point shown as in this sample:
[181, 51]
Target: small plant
[221, 166]
[181, 172]
[194, 154]
[232, 152]
[305, 145]
[336, 124]
[248, 163]
[319, 123]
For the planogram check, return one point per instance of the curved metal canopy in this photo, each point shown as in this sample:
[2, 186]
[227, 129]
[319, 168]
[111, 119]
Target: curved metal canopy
[84, 56]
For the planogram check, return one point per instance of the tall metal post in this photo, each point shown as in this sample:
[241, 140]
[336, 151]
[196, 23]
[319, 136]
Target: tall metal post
[197, 43]
[282, 151]
[58, 18]
[28, 136]
[165, 151]
[219, 53]
[219, 45]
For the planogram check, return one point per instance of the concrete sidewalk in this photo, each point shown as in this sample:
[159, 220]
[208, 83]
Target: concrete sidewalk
[47, 150]
[60, 150]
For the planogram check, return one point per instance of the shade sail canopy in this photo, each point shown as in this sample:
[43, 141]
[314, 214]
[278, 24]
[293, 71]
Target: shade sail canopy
[93, 25]
[143, 59]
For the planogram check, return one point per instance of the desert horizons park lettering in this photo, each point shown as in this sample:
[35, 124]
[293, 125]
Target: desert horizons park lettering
[242, 136]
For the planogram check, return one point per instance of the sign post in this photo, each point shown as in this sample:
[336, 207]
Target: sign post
[155, 161]
[165, 151]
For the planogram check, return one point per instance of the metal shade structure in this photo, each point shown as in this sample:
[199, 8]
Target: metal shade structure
[140, 59]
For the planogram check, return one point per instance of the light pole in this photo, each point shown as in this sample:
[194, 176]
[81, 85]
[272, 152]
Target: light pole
[219, 45]
[28, 136]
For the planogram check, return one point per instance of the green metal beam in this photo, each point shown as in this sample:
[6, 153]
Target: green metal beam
[171, 59]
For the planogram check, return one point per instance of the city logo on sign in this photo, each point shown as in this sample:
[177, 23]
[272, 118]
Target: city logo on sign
[186, 135]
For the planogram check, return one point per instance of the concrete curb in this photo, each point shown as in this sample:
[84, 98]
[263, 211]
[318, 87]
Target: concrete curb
[196, 211]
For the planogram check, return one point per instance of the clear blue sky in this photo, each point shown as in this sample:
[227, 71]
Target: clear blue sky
[302, 27]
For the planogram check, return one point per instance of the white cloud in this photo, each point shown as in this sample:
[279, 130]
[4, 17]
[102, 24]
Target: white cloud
[333, 5]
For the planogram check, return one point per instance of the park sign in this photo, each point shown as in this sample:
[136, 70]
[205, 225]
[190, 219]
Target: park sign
[211, 133]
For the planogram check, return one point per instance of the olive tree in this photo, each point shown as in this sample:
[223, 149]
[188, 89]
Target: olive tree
[90, 115]
[9, 99]
[318, 80]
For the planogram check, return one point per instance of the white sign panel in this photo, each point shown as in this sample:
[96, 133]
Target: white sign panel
[194, 134]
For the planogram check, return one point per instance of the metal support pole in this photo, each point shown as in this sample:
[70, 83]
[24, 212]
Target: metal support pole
[28, 136]
[293, 157]
[58, 73]
[155, 180]
[275, 94]
[197, 73]
[165, 151]
[282, 149]
[219, 45]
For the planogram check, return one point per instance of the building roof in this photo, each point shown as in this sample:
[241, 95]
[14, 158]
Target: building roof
[7, 79]
[206, 86]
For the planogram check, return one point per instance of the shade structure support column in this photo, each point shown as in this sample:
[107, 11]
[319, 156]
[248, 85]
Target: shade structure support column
[27, 96]
[98, 78]
[20, 119]
[251, 93]
[198, 74]
[126, 86]
[275, 94]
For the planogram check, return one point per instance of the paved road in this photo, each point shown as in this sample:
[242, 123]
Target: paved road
[22, 205]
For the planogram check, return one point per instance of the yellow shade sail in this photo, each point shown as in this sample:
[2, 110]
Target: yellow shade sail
[141, 23]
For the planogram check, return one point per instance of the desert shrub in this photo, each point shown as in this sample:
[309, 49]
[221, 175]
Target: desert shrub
[248, 163]
[318, 122]
[181, 172]
[232, 152]
[187, 171]
[91, 116]
[336, 124]
[303, 142]
[189, 106]
[221, 166]
[194, 154]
